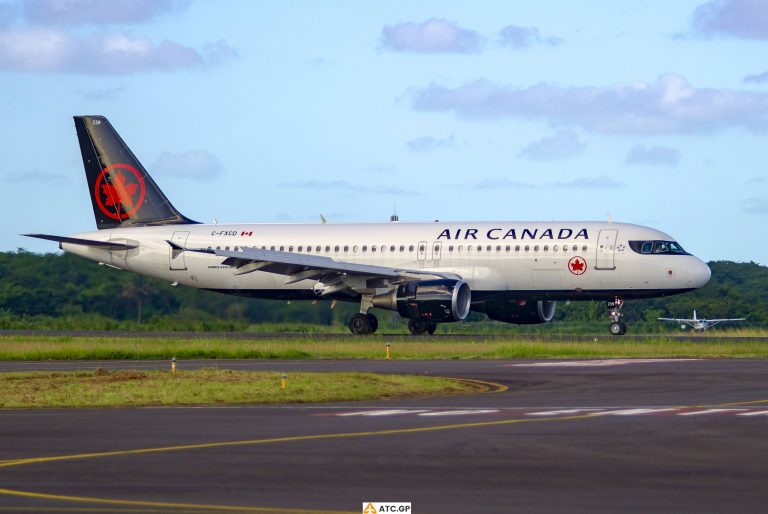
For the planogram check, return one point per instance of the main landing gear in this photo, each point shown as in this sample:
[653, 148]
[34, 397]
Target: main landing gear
[420, 327]
[363, 324]
[618, 327]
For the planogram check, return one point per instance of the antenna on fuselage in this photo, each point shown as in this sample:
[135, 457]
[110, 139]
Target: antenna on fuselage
[394, 218]
[322, 219]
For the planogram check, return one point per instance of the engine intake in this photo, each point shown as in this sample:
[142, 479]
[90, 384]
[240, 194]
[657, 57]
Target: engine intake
[434, 300]
[521, 313]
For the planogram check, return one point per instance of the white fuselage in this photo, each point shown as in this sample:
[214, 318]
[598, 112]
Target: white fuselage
[557, 260]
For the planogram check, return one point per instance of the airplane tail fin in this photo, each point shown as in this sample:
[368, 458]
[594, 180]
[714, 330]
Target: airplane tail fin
[121, 190]
[694, 315]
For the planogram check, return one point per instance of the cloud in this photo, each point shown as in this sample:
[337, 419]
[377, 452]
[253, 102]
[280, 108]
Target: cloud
[564, 144]
[341, 185]
[430, 36]
[75, 12]
[757, 78]
[35, 177]
[756, 205]
[668, 106]
[117, 53]
[590, 183]
[429, 143]
[746, 19]
[654, 156]
[105, 93]
[525, 37]
[197, 165]
[500, 183]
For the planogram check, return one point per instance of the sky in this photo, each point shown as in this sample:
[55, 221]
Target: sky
[642, 111]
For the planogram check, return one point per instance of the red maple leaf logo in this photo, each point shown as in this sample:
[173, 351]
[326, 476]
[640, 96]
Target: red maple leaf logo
[119, 193]
[577, 265]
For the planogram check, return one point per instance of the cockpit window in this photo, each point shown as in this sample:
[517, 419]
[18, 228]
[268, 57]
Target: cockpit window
[657, 247]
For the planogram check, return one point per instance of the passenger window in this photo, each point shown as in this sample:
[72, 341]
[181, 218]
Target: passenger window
[282, 248]
[227, 248]
[479, 248]
[575, 248]
[218, 247]
[508, 248]
[373, 248]
[263, 247]
[392, 248]
[517, 248]
[402, 248]
[536, 248]
[584, 248]
[410, 248]
[554, 248]
[336, 248]
[527, 248]
[488, 248]
[546, 248]
[461, 248]
[346, 248]
[422, 248]
[450, 248]
[272, 248]
[237, 248]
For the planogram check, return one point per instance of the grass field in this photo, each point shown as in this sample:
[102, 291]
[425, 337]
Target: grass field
[103, 388]
[94, 348]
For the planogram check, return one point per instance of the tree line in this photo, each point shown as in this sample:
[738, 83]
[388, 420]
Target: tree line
[62, 291]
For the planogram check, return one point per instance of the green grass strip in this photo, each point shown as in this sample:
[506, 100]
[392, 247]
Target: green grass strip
[103, 388]
[14, 348]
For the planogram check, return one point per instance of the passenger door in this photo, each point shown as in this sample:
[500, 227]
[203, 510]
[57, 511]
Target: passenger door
[606, 247]
[177, 256]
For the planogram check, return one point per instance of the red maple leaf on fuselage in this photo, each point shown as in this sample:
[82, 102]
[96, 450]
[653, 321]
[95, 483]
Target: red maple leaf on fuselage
[577, 265]
[119, 193]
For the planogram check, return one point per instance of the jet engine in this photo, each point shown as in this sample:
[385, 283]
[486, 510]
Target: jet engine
[521, 312]
[432, 300]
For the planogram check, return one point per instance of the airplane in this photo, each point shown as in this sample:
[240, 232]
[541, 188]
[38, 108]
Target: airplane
[429, 273]
[700, 324]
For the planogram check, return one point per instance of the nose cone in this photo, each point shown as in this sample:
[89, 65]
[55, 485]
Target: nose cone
[698, 273]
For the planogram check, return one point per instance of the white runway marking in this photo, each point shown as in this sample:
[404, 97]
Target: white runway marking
[754, 413]
[633, 412]
[390, 412]
[459, 412]
[709, 411]
[595, 363]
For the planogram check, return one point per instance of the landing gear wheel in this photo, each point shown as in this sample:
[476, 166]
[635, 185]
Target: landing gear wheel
[418, 326]
[431, 327]
[617, 329]
[373, 322]
[360, 324]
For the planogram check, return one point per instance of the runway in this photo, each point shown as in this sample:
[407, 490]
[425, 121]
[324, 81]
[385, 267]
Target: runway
[694, 337]
[550, 436]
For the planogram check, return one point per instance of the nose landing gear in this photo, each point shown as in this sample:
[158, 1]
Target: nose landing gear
[618, 327]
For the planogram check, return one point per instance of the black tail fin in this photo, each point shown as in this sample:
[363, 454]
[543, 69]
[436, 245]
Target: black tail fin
[122, 192]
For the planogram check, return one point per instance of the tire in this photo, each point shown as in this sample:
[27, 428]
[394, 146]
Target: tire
[617, 329]
[418, 326]
[623, 327]
[431, 327]
[360, 324]
[373, 323]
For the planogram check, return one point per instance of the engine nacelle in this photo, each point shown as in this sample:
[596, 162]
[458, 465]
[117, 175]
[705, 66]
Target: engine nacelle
[432, 300]
[521, 313]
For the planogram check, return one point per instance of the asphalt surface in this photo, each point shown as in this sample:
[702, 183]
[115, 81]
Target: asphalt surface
[577, 436]
[691, 336]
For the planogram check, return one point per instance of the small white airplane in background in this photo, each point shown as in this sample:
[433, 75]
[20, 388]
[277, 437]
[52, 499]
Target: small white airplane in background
[700, 324]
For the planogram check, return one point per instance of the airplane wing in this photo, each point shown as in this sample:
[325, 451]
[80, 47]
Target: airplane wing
[338, 275]
[677, 320]
[724, 319]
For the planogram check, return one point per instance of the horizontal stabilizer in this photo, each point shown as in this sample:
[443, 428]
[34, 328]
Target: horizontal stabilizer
[104, 245]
